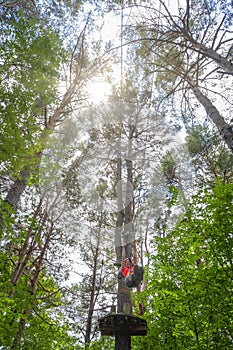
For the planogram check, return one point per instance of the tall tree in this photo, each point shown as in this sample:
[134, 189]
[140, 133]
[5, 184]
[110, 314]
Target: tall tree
[189, 293]
[33, 105]
[46, 103]
[183, 56]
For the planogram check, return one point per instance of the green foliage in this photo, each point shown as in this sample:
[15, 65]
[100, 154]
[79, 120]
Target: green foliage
[32, 319]
[106, 343]
[169, 167]
[30, 62]
[29, 319]
[189, 295]
[199, 139]
[209, 155]
[189, 303]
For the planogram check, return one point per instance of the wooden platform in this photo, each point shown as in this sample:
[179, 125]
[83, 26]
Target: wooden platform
[122, 324]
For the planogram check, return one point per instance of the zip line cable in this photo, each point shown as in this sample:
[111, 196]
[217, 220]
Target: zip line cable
[121, 58]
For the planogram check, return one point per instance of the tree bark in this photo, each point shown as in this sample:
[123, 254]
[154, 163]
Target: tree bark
[129, 236]
[39, 264]
[21, 328]
[120, 209]
[17, 189]
[25, 251]
[221, 61]
[226, 130]
[198, 46]
[124, 303]
[93, 289]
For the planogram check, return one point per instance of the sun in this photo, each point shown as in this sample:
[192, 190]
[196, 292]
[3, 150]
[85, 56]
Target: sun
[98, 90]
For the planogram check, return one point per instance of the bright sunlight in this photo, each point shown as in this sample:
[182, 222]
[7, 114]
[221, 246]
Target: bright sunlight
[99, 90]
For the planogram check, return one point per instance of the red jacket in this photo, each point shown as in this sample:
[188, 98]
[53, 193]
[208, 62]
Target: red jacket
[127, 271]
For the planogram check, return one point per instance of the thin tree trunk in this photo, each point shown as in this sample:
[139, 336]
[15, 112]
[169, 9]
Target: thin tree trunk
[120, 209]
[25, 252]
[40, 261]
[22, 321]
[93, 289]
[128, 222]
[124, 303]
[184, 32]
[225, 129]
[21, 328]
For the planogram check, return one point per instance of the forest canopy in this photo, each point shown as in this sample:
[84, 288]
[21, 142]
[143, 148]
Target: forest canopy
[142, 171]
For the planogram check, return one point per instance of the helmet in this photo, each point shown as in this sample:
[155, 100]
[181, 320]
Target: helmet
[128, 259]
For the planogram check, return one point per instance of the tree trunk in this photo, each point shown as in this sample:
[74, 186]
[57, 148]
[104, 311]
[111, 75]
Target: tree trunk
[25, 251]
[17, 189]
[221, 61]
[225, 129]
[93, 289]
[19, 185]
[129, 208]
[34, 281]
[124, 303]
[39, 264]
[21, 328]
[120, 209]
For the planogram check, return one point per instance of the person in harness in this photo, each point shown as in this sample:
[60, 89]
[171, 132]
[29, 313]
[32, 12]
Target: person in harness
[127, 267]
[130, 273]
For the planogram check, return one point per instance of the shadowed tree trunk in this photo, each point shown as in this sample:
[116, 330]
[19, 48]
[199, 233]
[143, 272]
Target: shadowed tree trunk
[120, 209]
[94, 293]
[125, 234]
[226, 130]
